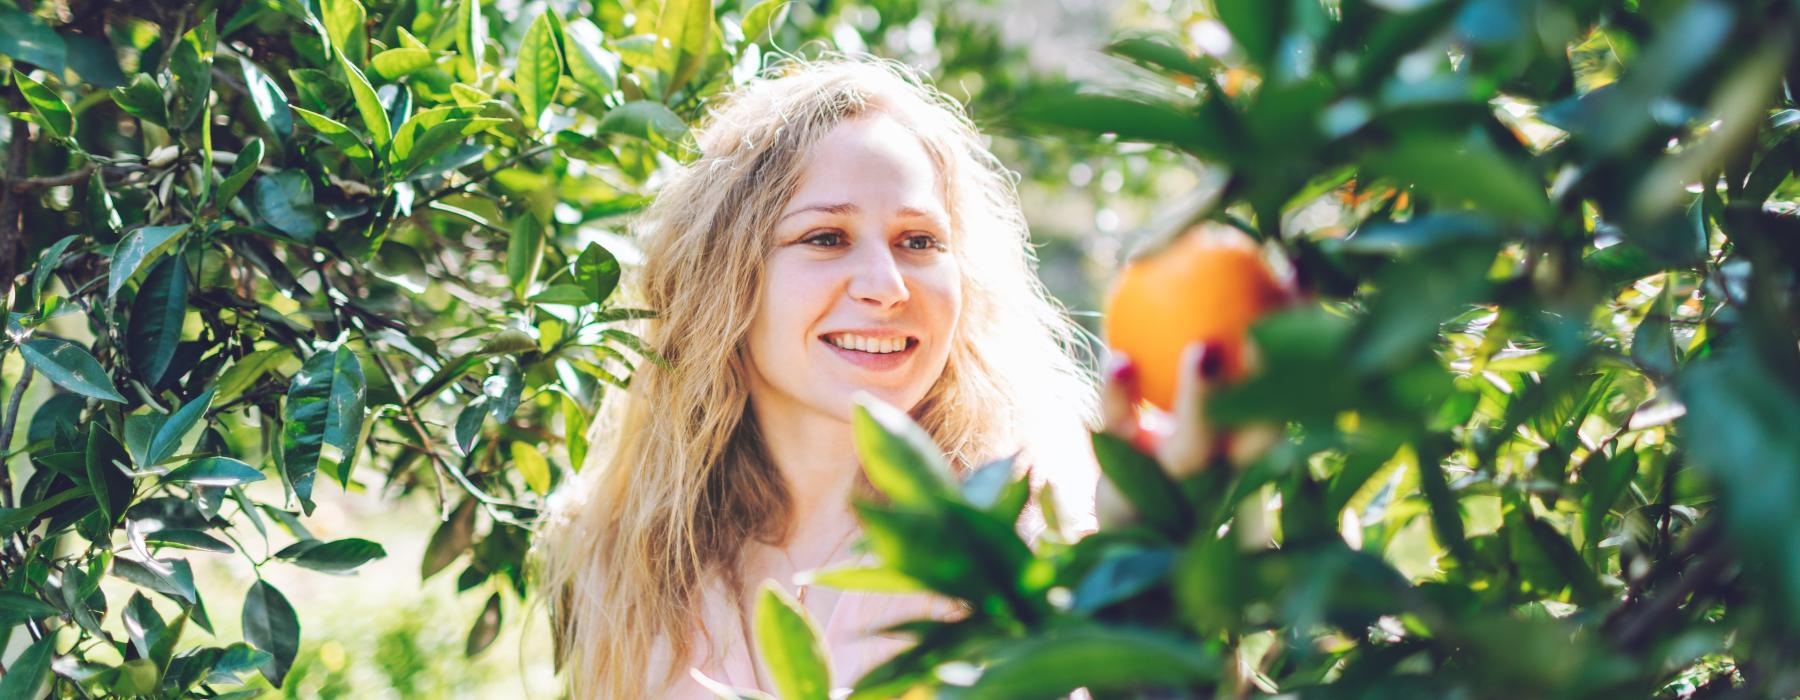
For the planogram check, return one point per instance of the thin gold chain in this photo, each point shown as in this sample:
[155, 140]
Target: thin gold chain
[799, 596]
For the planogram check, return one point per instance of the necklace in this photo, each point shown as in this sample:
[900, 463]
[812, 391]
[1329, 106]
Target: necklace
[799, 596]
[800, 589]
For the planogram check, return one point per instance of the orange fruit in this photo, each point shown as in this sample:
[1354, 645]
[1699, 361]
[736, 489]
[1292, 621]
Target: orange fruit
[1209, 284]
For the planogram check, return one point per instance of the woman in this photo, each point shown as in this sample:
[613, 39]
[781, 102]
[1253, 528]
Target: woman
[845, 231]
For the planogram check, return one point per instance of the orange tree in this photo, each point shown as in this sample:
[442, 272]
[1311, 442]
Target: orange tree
[249, 248]
[1539, 402]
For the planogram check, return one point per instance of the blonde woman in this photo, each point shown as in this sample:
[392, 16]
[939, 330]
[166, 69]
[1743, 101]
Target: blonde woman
[845, 231]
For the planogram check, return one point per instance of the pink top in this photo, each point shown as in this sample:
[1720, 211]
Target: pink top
[850, 633]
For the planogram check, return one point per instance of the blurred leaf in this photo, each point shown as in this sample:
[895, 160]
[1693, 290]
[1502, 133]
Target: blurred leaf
[486, 628]
[28, 676]
[1141, 480]
[532, 465]
[596, 272]
[270, 624]
[241, 171]
[374, 116]
[344, 22]
[1101, 660]
[788, 643]
[1457, 172]
[214, 471]
[899, 458]
[646, 120]
[1255, 24]
[685, 32]
[324, 407]
[336, 557]
[140, 246]
[26, 38]
[394, 64]
[285, 200]
[52, 112]
[524, 253]
[266, 96]
[1131, 118]
[70, 367]
[590, 64]
[540, 69]
[764, 19]
[450, 540]
[157, 315]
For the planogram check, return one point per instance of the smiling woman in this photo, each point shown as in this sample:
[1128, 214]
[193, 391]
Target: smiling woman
[845, 236]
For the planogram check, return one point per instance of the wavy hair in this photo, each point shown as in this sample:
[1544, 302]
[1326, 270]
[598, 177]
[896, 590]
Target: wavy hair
[677, 481]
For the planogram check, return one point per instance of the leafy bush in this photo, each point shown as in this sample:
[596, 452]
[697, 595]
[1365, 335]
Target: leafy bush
[254, 240]
[1539, 405]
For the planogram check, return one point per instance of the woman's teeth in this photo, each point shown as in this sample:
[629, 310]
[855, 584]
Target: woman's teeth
[851, 341]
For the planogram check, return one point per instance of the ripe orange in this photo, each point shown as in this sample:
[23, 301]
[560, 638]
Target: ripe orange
[1209, 284]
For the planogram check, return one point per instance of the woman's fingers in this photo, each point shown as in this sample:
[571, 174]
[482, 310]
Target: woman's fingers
[1119, 396]
[1189, 446]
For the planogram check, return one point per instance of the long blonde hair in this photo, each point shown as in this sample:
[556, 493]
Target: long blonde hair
[677, 481]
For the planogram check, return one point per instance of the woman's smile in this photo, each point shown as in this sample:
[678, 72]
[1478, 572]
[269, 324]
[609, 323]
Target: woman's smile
[873, 351]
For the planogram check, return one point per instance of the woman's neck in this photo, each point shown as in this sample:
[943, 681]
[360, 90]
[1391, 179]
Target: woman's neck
[817, 460]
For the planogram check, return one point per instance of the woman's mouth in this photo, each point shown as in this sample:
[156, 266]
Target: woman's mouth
[869, 351]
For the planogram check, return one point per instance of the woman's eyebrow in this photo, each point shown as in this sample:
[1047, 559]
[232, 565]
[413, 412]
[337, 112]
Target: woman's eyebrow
[841, 208]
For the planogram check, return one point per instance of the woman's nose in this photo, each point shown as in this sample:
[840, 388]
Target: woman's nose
[877, 278]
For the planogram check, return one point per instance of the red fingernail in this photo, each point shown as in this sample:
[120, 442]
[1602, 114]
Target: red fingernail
[1125, 375]
[1212, 359]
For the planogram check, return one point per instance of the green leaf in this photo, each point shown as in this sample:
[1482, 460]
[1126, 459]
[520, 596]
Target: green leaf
[394, 64]
[157, 314]
[539, 73]
[1456, 172]
[285, 201]
[1255, 24]
[16, 608]
[247, 370]
[50, 108]
[524, 253]
[142, 98]
[26, 38]
[532, 465]
[1131, 118]
[345, 22]
[575, 425]
[191, 70]
[28, 676]
[15, 519]
[241, 171]
[1141, 480]
[866, 578]
[113, 490]
[788, 642]
[486, 628]
[685, 30]
[270, 624]
[651, 121]
[188, 539]
[450, 539]
[597, 273]
[899, 457]
[341, 136]
[94, 60]
[1155, 51]
[70, 367]
[49, 261]
[324, 407]
[374, 116]
[1105, 661]
[590, 64]
[213, 471]
[471, 35]
[142, 624]
[336, 556]
[267, 98]
[761, 22]
[169, 434]
[137, 248]
[468, 425]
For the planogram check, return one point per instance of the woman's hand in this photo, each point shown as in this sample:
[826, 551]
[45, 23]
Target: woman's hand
[1184, 442]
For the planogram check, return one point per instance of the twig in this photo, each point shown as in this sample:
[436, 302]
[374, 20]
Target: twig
[76, 176]
[6, 432]
[477, 178]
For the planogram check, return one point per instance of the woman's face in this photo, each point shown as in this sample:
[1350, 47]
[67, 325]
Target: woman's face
[860, 291]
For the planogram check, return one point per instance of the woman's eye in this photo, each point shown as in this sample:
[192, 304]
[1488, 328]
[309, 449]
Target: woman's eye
[923, 241]
[829, 239]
